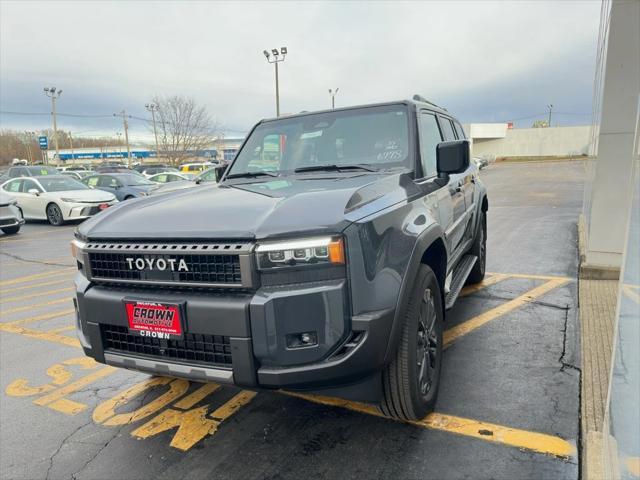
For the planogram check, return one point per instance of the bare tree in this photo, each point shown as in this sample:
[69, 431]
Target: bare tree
[184, 128]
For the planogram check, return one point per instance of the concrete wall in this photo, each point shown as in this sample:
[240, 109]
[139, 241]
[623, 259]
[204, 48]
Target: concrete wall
[535, 142]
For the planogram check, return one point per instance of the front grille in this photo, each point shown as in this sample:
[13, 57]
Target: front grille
[194, 348]
[89, 211]
[7, 221]
[195, 264]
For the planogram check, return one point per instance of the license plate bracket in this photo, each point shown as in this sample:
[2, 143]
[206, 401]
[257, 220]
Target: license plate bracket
[150, 318]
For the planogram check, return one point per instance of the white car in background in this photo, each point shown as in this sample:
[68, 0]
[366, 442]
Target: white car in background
[10, 215]
[168, 177]
[56, 198]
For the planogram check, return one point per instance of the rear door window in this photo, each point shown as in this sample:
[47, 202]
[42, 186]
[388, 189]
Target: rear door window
[459, 131]
[447, 129]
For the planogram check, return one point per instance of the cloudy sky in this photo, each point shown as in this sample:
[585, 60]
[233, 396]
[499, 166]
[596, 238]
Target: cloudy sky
[484, 61]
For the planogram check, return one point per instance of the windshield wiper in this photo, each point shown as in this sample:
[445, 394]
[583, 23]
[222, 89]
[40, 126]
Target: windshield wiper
[337, 168]
[252, 174]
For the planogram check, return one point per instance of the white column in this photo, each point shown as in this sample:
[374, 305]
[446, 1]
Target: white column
[612, 187]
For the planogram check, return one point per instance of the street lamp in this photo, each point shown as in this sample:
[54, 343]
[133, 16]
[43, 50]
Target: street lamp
[276, 57]
[550, 107]
[333, 94]
[153, 108]
[54, 94]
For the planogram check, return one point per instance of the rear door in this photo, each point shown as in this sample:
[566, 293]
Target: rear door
[469, 180]
[455, 233]
[33, 206]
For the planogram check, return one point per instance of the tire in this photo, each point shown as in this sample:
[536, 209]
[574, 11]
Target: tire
[411, 381]
[54, 215]
[11, 230]
[479, 249]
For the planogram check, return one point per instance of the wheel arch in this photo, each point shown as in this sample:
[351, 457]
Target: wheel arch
[429, 250]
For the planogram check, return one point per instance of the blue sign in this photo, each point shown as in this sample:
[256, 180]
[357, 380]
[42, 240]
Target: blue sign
[44, 142]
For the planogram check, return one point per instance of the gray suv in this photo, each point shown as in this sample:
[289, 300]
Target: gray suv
[323, 261]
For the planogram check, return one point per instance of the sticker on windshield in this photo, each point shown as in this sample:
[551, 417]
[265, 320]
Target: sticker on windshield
[311, 135]
[44, 171]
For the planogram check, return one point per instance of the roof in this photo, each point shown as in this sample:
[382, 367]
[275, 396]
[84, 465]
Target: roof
[414, 102]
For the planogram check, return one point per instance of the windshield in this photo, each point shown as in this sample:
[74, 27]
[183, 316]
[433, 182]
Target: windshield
[134, 180]
[61, 183]
[43, 171]
[374, 136]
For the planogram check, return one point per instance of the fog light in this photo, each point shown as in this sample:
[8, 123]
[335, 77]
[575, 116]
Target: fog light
[303, 339]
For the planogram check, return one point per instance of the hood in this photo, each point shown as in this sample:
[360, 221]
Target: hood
[303, 205]
[171, 186]
[90, 195]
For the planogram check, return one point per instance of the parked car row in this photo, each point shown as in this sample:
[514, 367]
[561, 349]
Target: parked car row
[44, 193]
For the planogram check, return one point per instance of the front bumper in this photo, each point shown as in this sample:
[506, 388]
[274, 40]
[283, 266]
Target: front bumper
[76, 211]
[10, 216]
[255, 326]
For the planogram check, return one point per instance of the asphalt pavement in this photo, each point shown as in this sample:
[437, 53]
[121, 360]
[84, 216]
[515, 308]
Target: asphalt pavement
[508, 405]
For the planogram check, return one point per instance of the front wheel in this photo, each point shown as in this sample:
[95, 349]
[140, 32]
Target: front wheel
[54, 215]
[411, 381]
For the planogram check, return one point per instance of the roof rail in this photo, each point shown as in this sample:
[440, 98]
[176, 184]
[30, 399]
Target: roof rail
[420, 98]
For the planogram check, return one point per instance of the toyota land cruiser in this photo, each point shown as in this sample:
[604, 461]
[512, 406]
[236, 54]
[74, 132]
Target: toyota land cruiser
[323, 261]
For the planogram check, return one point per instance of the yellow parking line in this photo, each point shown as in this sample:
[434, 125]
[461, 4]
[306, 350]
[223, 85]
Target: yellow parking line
[35, 276]
[38, 318]
[68, 328]
[36, 305]
[493, 279]
[39, 334]
[459, 330]
[489, 432]
[534, 277]
[38, 294]
[35, 285]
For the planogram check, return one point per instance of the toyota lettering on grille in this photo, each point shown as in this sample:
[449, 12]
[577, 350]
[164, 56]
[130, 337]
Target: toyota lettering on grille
[160, 264]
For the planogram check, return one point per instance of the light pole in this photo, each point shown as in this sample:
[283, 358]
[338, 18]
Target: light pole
[550, 107]
[276, 57]
[54, 95]
[333, 94]
[153, 108]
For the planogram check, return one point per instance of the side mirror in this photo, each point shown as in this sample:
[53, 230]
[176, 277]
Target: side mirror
[220, 170]
[34, 191]
[452, 157]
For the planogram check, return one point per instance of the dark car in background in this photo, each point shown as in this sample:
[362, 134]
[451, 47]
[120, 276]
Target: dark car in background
[28, 171]
[124, 186]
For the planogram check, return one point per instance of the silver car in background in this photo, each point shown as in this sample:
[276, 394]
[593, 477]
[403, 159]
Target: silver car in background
[11, 218]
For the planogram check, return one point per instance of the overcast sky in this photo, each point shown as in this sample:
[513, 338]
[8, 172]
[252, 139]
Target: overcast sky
[484, 61]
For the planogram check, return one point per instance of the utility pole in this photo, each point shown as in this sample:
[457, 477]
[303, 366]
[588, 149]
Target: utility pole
[550, 107]
[29, 137]
[73, 157]
[276, 57]
[333, 97]
[153, 108]
[54, 95]
[123, 114]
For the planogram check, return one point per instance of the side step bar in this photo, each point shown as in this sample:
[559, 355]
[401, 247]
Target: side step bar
[460, 274]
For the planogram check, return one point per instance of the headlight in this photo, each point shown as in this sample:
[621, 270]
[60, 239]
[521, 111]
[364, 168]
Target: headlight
[76, 249]
[307, 252]
[70, 200]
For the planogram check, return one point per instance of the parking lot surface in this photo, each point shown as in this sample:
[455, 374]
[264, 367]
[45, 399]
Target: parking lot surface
[508, 405]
